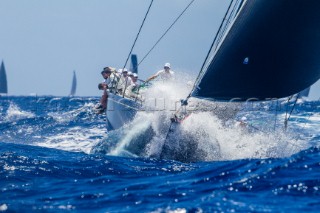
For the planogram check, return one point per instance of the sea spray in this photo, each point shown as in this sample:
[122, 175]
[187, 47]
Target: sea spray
[211, 131]
[14, 113]
[134, 131]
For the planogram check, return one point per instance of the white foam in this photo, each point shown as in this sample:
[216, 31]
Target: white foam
[3, 207]
[211, 137]
[14, 113]
[75, 140]
[72, 114]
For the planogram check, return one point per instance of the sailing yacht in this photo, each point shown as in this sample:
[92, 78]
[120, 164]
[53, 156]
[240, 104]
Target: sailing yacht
[74, 84]
[3, 79]
[263, 50]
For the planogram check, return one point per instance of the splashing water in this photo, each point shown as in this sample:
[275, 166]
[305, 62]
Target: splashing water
[14, 113]
[203, 136]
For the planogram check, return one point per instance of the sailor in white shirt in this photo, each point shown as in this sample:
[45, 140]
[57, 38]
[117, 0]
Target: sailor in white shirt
[124, 81]
[132, 90]
[165, 74]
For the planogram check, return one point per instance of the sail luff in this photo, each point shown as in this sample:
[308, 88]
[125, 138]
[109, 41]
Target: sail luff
[3, 79]
[223, 30]
[74, 84]
[272, 50]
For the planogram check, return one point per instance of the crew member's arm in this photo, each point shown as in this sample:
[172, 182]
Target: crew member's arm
[153, 77]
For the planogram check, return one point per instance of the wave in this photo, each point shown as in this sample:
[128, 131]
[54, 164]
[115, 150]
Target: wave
[14, 114]
[60, 123]
[71, 125]
[202, 186]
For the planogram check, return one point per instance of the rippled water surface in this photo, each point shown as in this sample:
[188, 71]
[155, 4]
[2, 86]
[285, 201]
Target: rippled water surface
[56, 155]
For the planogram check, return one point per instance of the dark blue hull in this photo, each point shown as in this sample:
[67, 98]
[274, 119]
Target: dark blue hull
[120, 111]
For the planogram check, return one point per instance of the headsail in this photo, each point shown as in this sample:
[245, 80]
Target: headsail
[271, 50]
[3, 79]
[74, 84]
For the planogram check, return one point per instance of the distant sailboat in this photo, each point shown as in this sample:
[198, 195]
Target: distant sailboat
[74, 84]
[3, 80]
[305, 93]
[312, 92]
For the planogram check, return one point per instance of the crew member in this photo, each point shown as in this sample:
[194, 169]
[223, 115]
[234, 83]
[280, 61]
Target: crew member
[165, 74]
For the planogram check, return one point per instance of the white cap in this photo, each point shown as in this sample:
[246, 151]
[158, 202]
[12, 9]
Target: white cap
[129, 73]
[125, 70]
[135, 75]
[243, 118]
[167, 65]
[119, 71]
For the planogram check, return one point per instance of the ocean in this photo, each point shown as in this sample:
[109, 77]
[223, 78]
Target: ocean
[56, 155]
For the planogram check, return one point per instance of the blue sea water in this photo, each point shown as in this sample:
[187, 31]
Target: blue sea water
[57, 156]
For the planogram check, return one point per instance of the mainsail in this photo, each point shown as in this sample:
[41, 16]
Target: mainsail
[3, 79]
[270, 50]
[74, 84]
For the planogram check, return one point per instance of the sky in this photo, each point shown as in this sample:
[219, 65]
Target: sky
[43, 41]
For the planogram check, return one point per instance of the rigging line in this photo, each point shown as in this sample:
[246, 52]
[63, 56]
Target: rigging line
[275, 119]
[228, 21]
[134, 43]
[294, 105]
[169, 130]
[285, 118]
[166, 32]
[241, 3]
[214, 40]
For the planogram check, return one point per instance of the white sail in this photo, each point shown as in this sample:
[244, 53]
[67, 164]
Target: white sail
[74, 84]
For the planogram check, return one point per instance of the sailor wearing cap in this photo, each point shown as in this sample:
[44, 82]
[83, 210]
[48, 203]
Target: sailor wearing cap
[165, 74]
[124, 81]
[108, 73]
[135, 80]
